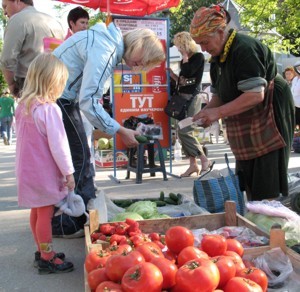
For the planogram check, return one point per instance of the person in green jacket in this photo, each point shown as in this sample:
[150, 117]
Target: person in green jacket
[7, 112]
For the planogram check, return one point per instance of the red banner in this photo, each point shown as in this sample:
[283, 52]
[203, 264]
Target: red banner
[127, 7]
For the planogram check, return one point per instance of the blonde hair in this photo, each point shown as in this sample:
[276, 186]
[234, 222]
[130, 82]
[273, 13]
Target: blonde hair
[145, 40]
[45, 80]
[184, 42]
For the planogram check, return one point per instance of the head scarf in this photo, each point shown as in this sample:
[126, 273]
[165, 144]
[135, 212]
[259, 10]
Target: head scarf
[207, 20]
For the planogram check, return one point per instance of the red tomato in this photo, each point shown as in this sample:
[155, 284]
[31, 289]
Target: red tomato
[190, 253]
[117, 265]
[109, 286]
[226, 268]
[256, 275]
[232, 254]
[142, 277]
[96, 259]
[213, 244]
[178, 237]
[150, 250]
[168, 270]
[241, 285]
[119, 249]
[95, 277]
[235, 245]
[170, 255]
[198, 275]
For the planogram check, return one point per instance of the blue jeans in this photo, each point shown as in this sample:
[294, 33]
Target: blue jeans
[6, 123]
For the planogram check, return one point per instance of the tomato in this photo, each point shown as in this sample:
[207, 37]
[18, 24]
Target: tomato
[256, 275]
[178, 237]
[189, 253]
[235, 245]
[95, 277]
[109, 286]
[119, 249]
[142, 277]
[117, 265]
[198, 275]
[226, 268]
[168, 270]
[232, 254]
[96, 259]
[150, 250]
[241, 285]
[213, 244]
[170, 255]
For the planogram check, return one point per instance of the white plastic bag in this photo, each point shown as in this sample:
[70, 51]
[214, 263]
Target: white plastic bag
[277, 266]
[99, 203]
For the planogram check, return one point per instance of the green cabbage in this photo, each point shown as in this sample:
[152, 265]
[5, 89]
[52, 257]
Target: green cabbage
[103, 143]
[159, 216]
[124, 215]
[145, 208]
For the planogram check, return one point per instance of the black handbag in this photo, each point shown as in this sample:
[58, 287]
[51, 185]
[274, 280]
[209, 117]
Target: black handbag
[177, 107]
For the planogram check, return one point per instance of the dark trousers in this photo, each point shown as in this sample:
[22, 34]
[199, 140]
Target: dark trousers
[80, 151]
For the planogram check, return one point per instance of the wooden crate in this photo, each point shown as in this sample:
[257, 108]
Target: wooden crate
[210, 222]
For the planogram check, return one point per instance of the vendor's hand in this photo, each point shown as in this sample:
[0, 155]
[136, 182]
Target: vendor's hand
[128, 137]
[207, 116]
[70, 182]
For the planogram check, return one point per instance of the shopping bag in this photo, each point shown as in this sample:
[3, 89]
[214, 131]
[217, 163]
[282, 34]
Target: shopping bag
[211, 194]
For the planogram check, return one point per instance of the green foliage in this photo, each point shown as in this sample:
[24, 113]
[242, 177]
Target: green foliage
[181, 16]
[278, 20]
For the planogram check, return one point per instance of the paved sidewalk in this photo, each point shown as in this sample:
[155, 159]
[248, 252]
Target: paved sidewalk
[16, 243]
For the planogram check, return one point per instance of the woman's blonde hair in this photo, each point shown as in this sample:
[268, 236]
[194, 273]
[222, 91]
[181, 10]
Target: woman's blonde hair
[45, 80]
[184, 42]
[145, 40]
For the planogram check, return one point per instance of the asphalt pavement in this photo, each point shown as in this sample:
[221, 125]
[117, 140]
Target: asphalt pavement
[16, 244]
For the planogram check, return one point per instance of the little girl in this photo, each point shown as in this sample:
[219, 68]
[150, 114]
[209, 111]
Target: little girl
[44, 166]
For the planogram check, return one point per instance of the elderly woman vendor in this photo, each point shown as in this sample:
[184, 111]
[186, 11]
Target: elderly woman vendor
[254, 100]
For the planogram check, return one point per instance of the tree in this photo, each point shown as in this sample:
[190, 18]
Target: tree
[181, 16]
[277, 19]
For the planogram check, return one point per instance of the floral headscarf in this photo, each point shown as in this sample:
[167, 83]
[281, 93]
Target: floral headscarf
[207, 20]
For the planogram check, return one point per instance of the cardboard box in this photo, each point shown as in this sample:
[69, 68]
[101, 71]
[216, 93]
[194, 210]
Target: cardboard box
[105, 158]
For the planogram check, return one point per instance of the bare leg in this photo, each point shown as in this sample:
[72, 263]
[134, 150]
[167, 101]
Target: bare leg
[192, 168]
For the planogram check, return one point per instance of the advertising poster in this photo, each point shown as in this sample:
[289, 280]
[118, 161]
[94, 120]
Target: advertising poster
[142, 93]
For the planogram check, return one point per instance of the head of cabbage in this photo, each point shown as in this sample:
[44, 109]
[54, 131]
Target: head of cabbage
[124, 215]
[144, 208]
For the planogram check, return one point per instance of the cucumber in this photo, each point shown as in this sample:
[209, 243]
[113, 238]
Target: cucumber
[170, 201]
[141, 139]
[160, 203]
[180, 198]
[123, 203]
[173, 197]
[161, 196]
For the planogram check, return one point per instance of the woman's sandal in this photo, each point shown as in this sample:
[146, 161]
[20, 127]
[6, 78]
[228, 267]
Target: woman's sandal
[49, 267]
[207, 166]
[189, 172]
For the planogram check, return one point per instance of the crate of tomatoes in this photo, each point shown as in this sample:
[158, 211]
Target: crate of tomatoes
[163, 255]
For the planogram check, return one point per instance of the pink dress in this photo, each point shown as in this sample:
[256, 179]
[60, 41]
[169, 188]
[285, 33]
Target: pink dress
[43, 157]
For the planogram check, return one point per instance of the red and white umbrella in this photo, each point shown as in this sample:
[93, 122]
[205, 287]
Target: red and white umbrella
[127, 7]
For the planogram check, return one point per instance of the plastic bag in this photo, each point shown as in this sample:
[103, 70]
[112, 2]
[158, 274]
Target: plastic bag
[277, 266]
[99, 203]
[271, 208]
